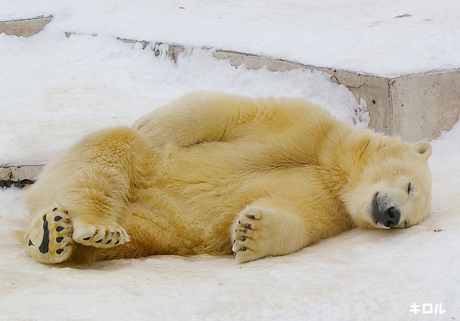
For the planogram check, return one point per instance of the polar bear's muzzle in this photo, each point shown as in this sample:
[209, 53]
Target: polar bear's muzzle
[384, 212]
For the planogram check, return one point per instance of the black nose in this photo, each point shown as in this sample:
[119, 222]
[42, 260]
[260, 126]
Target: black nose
[383, 213]
[390, 217]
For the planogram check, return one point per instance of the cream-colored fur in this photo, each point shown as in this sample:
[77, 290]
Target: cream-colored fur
[215, 173]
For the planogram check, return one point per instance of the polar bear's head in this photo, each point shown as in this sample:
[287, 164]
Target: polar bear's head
[394, 188]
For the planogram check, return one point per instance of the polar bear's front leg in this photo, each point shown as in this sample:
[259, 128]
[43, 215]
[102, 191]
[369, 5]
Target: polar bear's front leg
[261, 232]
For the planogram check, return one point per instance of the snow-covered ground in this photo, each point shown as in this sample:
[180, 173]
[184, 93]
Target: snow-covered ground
[384, 37]
[54, 90]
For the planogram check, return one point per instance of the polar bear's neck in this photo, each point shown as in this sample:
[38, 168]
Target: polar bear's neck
[346, 152]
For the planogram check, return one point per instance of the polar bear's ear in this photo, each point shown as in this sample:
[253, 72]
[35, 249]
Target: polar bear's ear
[424, 149]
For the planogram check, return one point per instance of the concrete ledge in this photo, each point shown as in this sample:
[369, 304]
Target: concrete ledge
[24, 28]
[414, 107]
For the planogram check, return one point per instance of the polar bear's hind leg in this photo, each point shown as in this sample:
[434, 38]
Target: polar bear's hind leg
[49, 238]
[53, 235]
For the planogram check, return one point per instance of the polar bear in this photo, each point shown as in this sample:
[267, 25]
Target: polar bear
[212, 173]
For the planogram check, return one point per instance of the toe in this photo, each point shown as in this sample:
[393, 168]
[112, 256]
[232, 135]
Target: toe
[84, 233]
[253, 213]
[99, 235]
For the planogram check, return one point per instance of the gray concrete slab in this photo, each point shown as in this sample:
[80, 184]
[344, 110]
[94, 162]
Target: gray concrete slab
[414, 107]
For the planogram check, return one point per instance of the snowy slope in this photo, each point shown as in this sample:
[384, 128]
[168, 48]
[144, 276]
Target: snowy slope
[384, 37]
[54, 89]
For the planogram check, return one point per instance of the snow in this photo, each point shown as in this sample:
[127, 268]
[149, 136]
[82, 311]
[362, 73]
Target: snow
[55, 89]
[383, 37]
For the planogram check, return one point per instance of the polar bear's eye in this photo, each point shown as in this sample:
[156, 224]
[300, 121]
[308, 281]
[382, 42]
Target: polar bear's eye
[409, 188]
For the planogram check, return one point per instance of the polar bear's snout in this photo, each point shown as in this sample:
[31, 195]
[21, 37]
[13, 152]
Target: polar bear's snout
[384, 211]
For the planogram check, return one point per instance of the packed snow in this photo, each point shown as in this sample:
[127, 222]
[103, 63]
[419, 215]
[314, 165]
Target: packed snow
[55, 89]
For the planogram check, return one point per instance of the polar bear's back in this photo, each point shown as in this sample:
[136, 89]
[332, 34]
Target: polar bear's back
[279, 130]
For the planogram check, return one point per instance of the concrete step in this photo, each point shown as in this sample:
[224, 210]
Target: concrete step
[414, 107]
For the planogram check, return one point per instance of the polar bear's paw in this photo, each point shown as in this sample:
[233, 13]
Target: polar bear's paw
[98, 232]
[49, 239]
[250, 235]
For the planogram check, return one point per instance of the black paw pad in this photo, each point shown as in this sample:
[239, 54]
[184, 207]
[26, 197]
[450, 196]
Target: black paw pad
[57, 218]
[30, 243]
[55, 209]
[59, 228]
[44, 247]
[59, 251]
[59, 239]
